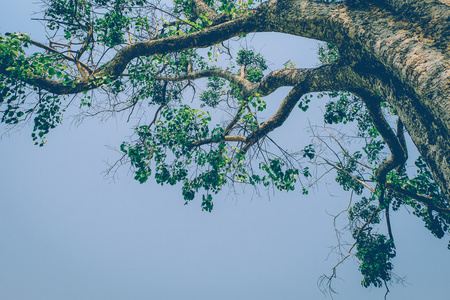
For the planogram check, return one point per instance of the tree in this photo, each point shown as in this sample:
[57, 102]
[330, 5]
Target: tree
[384, 62]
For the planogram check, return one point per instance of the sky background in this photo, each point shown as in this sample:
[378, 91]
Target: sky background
[67, 232]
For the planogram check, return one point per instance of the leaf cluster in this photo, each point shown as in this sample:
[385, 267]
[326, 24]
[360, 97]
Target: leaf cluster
[254, 64]
[375, 253]
[109, 20]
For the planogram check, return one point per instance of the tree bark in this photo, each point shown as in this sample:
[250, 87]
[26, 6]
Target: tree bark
[400, 52]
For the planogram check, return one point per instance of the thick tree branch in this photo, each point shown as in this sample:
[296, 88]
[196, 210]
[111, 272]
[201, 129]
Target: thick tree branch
[425, 9]
[324, 78]
[398, 153]
[117, 65]
[427, 201]
[431, 139]
[308, 80]
[376, 37]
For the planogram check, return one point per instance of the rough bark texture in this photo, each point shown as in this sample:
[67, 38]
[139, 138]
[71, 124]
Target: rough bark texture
[400, 51]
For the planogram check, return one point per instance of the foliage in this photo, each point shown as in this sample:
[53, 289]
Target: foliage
[109, 20]
[328, 53]
[211, 96]
[255, 64]
[375, 253]
[189, 145]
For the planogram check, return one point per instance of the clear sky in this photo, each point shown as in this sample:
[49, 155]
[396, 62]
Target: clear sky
[66, 232]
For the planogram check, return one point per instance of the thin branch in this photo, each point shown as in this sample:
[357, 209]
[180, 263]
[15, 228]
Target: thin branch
[234, 121]
[388, 223]
[227, 138]
[241, 82]
[156, 115]
[345, 151]
[50, 49]
[82, 50]
[333, 275]
[387, 290]
[279, 117]
[349, 174]
[360, 230]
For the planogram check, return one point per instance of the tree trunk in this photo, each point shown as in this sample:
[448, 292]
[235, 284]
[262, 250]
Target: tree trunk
[400, 51]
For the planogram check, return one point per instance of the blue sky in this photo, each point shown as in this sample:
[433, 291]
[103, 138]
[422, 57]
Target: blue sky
[67, 232]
